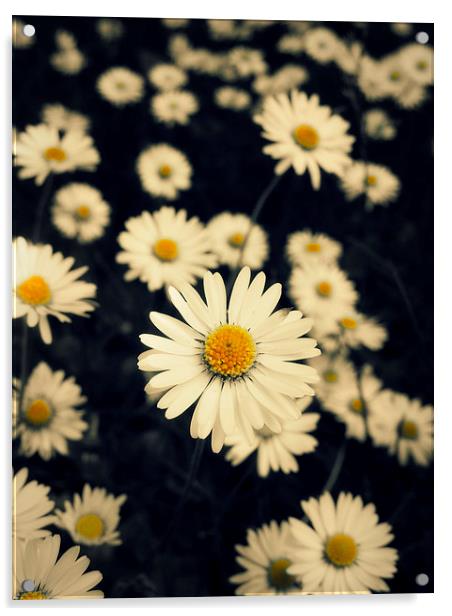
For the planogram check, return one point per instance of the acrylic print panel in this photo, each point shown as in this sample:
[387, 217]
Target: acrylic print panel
[222, 335]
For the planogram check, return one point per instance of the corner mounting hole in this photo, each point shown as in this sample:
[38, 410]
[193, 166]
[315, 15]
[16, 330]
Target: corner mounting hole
[29, 30]
[422, 38]
[422, 579]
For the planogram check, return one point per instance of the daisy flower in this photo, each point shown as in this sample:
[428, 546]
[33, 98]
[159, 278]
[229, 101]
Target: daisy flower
[286, 78]
[45, 285]
[306, 135]
[265, 562]
[322, 290]
[377, 182]
[291, 43]
[174, 107]
[335, 372]
[246, 62]
[19, 39]
[175, 24]
[357, 330]
[370, 79]
[31, 506]
[79, 211]
[164, 171]
[404, 426]
[40, 150]
[276, 451]
[236, 243]
[378, 125]
[321, 44]
[402, 29]
[304, 247]
[165, 248]
[343, 548]
[39, 573]
[68, 61]
[167, 77]
[417, 61]
[235, 359]
[120, 86]
[232, 98]
[109, 29]
[63, 119]
[93, 518]
[48, 416]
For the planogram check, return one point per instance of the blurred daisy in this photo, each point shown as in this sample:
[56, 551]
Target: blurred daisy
[165, 248]
[377, 182]
[378, 125]
[402, 29]
[371, 79]
[321, 44]
[286, 78]
[265, 562]
[48, 416]
[246, 62]
[417, 61]
[93, 518]
[236, 243]
[19, 39]
[232, 98]
[59, 117]
[68, 59]
[291, 43]
[31, 506]
[120, 86]
[276, 451]
[45, 285]
[109, 29]
[175, 24]
[335, 372]
[357, 330]
[344, 548]
[164, 171]
[404, 426]
[174, 107]
[307, 135]
[167, 77]
[304, 247]
[40, 150]
[349, 57]
[236, 359]
[38, 573]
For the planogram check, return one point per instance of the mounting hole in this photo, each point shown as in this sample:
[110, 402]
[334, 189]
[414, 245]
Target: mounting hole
[422, 579]
[29, 30]
[28, 585]
[422, 38]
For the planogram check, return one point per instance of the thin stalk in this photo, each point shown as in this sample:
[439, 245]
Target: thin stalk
[47, 188]
[336, 468]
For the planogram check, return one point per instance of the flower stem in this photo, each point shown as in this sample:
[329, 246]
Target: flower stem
[41, 205]
[336, 468]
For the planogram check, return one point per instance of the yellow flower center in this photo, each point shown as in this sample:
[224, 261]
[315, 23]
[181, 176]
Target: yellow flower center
[229, 351]
[348, 323]
[83, 212]
[324, 289]
[394, 76]
[371, 180]
[56, 154]
[34, 291]
[236, 240]
[166, 249]
[90, 526]
[313, 247]
[330, 376]
[38, 413]
[278, 576]
[357, 405]
[306, 136]
[165, 171]
[32, 595]
[341, 550]
[265, 432]
[409, 429]
[421, 65]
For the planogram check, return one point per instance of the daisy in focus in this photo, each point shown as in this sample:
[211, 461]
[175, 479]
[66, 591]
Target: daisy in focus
[46, 286]
[38, 573]
[40, 150]
[304, 247]
[276, 451]
[376, 182]
[167, 77]
[265, 562]
[176, 107]
[165, 248]
[236, 359]
[378, 125]
[344, 548]
[306, 135]
[120, 86]
[79, 211]
[93, 518]
[31, 508]
[48, 417]
[59, 117]
[164, 171]
[236, 243]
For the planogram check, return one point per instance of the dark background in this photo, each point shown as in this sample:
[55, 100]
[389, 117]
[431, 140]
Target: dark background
[387, 252]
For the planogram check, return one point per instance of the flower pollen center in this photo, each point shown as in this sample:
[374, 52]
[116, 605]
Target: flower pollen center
[166, 249]
[83, 212]
[278, 576]
[324, 289]
[38, 413]
[313, 247]
[32, 595]
[34, 291]
[348, 323]
[90, 526]
[306, 136]
[409, 430]
[330, 376]
[229, 351]
[341, 550]
[55, 154]
[165, 171]
[236, 240]
[357, 405]
[371, 180]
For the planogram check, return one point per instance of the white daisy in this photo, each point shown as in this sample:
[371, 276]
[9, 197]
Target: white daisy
[404, 426]
[174, 107]
[307, 135]
[45, 285]
[167, 77]
[164, 171]
[235, 359]
[165, 248]
[378, 125]
[19, 39]
[335, 372]
[93, 518]
[70, 61]
[31, 508]
[304, 247]
[40, 150]
[349, 57]
[417, 61]
[291, 43]
[286, 78]
[48, 416]
[344, 548]
[80, 212]
[276, 451]
[246, 62]
[357, 329]
[236, 243]
[39, 573]
[376, 182]
[109, 29]
[265, 562]
[61, 118]
[232, 98]
[370, 79]
[120, 86]
[175, 24]
[321, 44]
